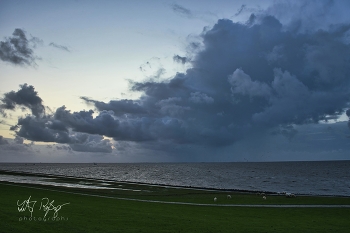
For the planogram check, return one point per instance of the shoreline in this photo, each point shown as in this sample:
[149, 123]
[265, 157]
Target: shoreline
[257, 192]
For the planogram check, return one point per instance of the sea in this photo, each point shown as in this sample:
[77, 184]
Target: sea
[325, 178]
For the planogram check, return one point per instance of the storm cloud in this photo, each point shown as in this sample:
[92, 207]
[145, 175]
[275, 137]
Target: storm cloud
[93, 143]
[51, 129]
[255, 78]
[17, 49]
[14, 145]
[119, 107]
[26, 96]
[246, 78]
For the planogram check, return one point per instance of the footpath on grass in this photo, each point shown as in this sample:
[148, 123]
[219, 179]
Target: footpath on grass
[189, 203]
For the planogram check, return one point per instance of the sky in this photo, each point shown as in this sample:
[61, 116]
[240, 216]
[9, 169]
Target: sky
[174, 81]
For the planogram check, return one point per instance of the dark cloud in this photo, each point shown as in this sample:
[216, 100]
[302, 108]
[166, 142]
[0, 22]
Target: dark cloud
[61, 47]
[3, 141]
[26, 96]
[119, 107]
[94, 143]
[304, 16]
[55, 128]
[304, 83]
[181, 10]
[14, 145]
[19, 140]
[180, 59]
[286, 130]
[40, 129]
[246, 80]
[197, 97]
[17, 49]
[120, 128]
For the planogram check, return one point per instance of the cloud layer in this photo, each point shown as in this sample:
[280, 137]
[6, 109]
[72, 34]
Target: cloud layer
[245, 79]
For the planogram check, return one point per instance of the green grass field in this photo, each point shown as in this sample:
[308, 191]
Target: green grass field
[101, 214]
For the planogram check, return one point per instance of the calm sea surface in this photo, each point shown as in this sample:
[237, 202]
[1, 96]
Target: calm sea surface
[317, 178]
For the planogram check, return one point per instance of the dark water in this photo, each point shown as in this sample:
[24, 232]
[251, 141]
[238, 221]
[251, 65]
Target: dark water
[316, 178]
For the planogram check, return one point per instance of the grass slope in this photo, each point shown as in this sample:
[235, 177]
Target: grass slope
[96, 214]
